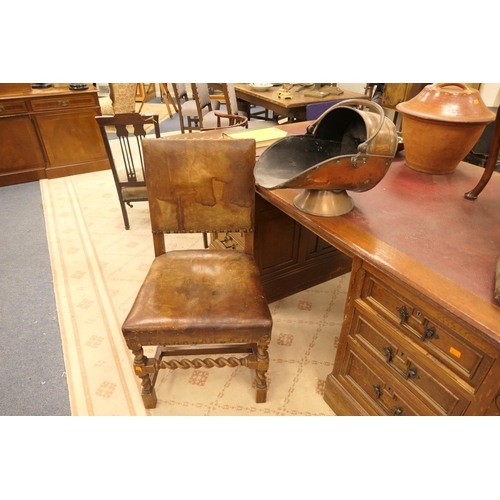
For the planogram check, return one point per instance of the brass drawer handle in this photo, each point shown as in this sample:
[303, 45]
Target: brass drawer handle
[388, 353]
[378, 391]
[403, 315]
[227, 240]
[2, 108]
[64, 103]
[398, 411]
[429, 333]
[411, 373]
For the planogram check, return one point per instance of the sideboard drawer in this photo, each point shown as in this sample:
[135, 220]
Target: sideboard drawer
[63, 102]
[13, 108]
[408, 364]
[434, 331]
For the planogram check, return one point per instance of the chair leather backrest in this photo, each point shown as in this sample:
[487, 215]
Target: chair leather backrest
[200, 185]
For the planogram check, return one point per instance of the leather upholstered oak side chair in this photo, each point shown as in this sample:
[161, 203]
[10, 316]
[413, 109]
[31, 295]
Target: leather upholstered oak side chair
[208, 301]
[126, 158]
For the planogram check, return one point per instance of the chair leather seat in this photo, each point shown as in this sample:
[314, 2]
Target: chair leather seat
[199, 297]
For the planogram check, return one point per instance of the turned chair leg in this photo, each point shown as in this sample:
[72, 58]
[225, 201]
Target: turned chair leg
[262, 367]
[143, 367]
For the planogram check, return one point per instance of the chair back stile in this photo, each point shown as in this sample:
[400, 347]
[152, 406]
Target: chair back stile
[181, 97]
[202, 98]
[204, 105]
[230, 98]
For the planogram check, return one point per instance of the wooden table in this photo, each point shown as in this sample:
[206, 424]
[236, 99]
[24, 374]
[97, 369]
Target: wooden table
[294, 108]
[421, 331]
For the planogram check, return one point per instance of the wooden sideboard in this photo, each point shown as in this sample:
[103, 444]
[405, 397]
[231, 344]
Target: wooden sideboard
[421, 330]
[49, 133]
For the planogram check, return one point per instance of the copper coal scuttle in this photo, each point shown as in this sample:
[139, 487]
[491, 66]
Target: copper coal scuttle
[345, 149]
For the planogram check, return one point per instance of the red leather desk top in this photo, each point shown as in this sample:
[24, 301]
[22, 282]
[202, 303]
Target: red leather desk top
[427, 217]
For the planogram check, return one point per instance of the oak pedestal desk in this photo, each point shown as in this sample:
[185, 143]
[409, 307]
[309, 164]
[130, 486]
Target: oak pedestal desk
[421, 329]
[49, 133]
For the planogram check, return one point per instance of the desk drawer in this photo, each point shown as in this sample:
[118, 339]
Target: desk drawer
[13, 108]
[418, 373]
[63, 102]
[360, 377]
[434, 331]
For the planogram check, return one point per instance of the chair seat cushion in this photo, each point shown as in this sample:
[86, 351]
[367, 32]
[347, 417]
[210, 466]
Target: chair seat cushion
[199, 297]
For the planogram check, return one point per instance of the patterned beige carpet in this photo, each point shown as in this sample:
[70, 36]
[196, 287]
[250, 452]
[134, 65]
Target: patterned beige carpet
[98, 267]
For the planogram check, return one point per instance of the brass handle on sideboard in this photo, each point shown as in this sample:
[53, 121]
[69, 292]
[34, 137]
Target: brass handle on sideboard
[2, 108]
[64, 103]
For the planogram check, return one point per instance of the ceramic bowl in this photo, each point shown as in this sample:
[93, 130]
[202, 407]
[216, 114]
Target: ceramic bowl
[260, 87]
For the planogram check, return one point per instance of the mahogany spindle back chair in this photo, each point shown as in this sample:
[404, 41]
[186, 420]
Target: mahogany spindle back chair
[127, 163]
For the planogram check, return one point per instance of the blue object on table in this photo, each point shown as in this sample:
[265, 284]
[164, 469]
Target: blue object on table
[315, 110]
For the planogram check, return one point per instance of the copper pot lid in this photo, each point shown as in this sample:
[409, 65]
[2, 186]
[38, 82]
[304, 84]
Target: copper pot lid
[450, 102]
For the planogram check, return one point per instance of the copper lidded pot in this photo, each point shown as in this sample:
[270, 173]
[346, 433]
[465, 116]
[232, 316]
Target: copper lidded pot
[441, 125]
